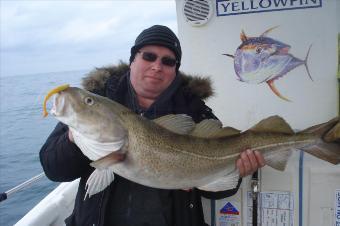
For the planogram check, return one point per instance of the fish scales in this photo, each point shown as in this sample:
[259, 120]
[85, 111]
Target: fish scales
[161, 151]
[186, 156]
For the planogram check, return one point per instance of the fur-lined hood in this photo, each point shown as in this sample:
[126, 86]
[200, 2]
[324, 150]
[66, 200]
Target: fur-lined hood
[96, 79]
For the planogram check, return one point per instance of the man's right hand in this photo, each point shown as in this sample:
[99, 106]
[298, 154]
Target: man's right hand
[249, 162]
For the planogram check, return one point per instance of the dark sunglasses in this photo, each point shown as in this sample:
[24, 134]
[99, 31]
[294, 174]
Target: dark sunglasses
[152, 57]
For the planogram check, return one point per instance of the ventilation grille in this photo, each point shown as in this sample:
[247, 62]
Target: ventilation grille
[197, 12]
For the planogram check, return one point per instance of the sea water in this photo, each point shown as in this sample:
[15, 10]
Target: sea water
[23, 131]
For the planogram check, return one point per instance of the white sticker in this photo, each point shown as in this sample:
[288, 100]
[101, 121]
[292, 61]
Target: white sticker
[275, 209]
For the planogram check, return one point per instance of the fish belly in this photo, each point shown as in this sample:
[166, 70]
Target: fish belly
[95, 150]
[171, 171]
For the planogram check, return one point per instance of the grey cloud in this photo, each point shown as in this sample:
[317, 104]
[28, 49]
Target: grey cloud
[50, 34]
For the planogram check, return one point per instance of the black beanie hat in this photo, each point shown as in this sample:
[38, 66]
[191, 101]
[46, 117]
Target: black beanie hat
[158, 35]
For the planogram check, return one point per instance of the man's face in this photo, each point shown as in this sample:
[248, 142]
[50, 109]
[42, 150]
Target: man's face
[150, 76]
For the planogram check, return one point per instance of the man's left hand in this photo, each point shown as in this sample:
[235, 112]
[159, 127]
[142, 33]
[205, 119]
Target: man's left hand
[249, 162]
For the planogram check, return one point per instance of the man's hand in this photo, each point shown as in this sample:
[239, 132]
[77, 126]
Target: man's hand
[249, 162]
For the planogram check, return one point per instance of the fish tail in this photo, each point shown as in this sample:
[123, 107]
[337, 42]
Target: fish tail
[323, 129]
[328, 146]
[305, 62]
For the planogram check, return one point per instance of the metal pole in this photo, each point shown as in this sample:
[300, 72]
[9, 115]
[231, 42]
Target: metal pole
[4, 195]
[255, 191]
[301, 159]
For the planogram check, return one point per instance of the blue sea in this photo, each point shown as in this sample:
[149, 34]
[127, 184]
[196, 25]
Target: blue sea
[22, 133]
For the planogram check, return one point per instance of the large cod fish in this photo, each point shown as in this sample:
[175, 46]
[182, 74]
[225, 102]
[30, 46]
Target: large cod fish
[172, 152]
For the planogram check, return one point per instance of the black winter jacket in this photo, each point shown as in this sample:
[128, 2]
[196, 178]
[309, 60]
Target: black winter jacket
[125, 201]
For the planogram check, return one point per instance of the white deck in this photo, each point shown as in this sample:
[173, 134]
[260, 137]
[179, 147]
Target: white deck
[54, 208]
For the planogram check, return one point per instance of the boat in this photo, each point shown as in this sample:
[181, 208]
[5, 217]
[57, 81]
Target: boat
[308, 192]
[54, 208]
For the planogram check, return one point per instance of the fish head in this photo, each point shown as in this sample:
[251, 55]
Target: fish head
[259, 47]
[249, 61]
[89, 114]
[254, 56]
[68, 103]
[263, 40]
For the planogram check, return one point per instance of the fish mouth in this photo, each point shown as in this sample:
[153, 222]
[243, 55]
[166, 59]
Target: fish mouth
[56, 102]
[58, 105]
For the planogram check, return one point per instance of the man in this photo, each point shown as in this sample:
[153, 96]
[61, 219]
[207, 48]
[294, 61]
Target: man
[151, 86]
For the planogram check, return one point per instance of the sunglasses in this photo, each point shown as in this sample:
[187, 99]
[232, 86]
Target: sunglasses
[152, 57]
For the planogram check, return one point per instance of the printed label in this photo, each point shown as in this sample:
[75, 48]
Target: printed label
[275, 209]
[229, 215]
[229, 209]
[337, 208]
[234, 7]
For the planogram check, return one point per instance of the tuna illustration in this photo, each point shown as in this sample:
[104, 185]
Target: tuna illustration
[172, 152]
[263, 59]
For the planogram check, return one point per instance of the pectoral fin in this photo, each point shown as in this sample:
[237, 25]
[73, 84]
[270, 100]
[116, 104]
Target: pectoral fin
[98, 181]
[227, 182]
[103, 175]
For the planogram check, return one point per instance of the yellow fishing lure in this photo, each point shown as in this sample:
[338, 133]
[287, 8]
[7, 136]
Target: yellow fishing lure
[51, 93]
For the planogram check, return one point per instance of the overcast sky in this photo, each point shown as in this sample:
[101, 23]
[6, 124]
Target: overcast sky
[56, 35]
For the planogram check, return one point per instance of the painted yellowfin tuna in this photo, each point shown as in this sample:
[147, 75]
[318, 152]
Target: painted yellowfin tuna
[263, 59]
[172, 152]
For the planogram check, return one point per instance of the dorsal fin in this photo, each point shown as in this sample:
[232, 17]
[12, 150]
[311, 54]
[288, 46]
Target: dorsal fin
[273, 124]
[264, 34]
[181, 123]
[206, 128]
[212, 128]
[227, 131]
[243, 36]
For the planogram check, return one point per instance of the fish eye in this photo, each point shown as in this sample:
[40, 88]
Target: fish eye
[89, 101]
[258, 50]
